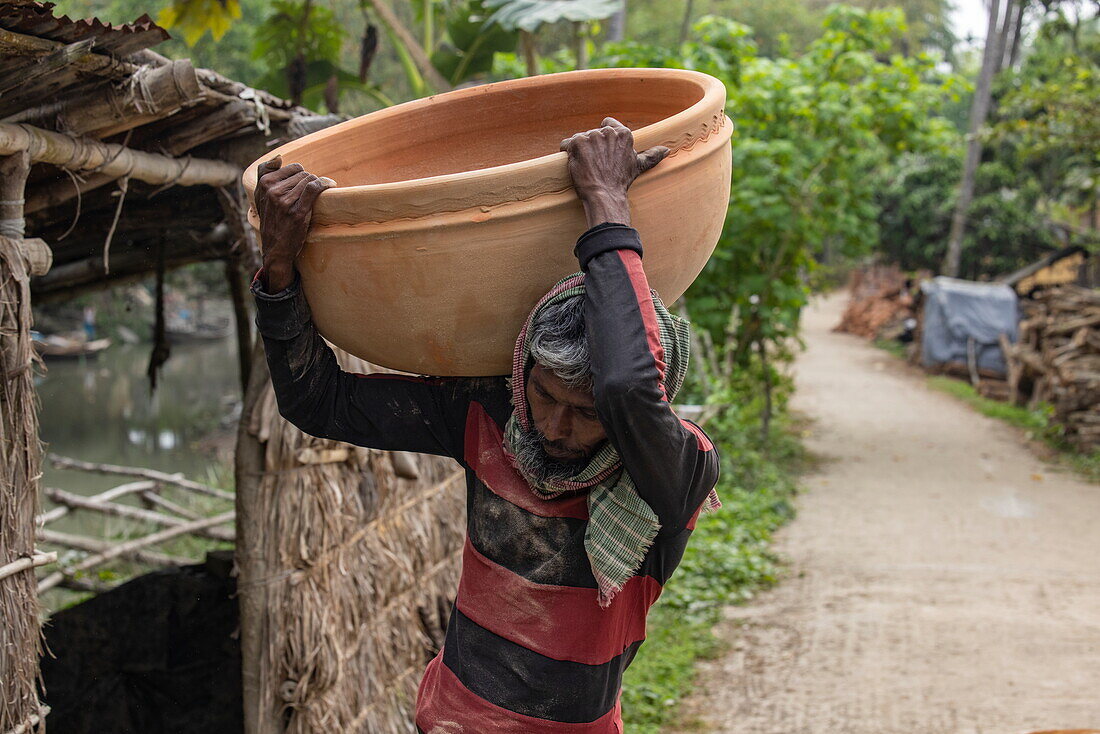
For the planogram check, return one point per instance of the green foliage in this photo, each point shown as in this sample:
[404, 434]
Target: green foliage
[916, 197]
[530, 15]
[472, 40]
[295, 28]
[808, 134]
[193, 18]
[1048, 115]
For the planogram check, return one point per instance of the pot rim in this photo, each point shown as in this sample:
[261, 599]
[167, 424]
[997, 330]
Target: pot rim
[518, 181]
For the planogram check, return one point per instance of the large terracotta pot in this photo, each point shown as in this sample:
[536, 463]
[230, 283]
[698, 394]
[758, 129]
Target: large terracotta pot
[454, 213]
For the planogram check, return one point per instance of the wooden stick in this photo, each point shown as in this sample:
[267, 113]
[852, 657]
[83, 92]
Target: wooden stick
[75, 501]
[23, 564]
[28, 726]
[95, 545]
[152, 498]
[123, 548]
[419, 55]
[64, 462]
[111, 494]
[80, 154]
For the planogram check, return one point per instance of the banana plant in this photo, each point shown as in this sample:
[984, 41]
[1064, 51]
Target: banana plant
[528, 16]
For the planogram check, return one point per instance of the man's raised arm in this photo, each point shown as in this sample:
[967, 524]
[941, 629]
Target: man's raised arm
[390, 412]
[672, 462]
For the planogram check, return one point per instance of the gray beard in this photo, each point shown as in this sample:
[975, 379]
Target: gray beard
[537, 466]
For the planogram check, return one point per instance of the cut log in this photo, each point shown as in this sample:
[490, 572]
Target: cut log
[150, 94]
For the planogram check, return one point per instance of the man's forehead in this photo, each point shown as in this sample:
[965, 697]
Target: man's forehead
[551, 383]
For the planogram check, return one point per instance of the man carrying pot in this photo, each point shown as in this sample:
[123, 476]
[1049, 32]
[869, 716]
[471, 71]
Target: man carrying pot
[582, 483]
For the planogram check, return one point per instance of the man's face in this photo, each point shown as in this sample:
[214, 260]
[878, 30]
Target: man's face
[565, 416]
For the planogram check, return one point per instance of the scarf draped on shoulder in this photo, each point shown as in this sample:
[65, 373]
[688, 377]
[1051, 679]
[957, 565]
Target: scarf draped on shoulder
[621, 525]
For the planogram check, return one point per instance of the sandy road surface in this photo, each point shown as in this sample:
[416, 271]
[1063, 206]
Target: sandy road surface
[943, 580]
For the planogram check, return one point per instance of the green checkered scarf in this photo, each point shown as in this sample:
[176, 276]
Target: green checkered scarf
[621, 526]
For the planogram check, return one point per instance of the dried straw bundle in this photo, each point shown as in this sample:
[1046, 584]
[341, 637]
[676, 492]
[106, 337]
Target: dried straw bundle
[20, 462]
[362, 565]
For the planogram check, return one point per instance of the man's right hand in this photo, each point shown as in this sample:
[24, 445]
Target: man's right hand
[284, 203]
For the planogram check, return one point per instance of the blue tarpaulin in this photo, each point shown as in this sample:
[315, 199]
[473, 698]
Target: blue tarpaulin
[962, 318]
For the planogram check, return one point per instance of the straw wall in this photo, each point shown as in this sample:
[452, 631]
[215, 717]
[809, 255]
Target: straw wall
[20, 462]
[360, 568]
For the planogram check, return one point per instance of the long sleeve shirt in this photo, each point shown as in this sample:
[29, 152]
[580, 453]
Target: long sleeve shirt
[528, 648]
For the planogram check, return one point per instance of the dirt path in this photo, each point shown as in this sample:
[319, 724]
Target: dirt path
[943, 580]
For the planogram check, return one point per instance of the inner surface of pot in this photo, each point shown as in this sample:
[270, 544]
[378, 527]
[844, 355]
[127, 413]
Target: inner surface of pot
[498, 125]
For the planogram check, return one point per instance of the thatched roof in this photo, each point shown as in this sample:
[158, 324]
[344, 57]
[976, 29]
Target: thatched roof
[100, 113]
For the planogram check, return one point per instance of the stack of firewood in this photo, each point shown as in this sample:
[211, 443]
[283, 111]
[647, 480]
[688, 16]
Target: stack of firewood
[879, 299]
[1057, 360]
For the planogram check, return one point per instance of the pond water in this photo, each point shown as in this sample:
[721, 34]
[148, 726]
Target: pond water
[101, 410]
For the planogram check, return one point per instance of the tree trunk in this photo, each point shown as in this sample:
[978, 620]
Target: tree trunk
[1017, 32]
[530, 52]
[979, 109]
[616, 24]
[580, 38]
[243, 260]
[685, 24]
[235, 277]
[1004, 33]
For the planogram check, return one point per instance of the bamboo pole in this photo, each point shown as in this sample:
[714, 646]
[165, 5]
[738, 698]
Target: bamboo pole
[95, 545]
[124, 548]
[78, 154]
[23, 564]
[64, 462]
[252, 568]
[77, 502]
[111, 494]
[152, 498]
[244, 258]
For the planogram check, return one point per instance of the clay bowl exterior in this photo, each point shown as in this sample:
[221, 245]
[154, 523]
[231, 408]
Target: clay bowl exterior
[454, 213]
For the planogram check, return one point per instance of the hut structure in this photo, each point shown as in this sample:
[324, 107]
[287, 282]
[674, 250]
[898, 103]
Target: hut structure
[118, 164]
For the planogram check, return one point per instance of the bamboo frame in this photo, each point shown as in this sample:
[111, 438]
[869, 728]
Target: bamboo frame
[138, 543]
[76, 502]
[29, 562]
[94, 545]
[111, 494]
[79, 154]
[177, 480]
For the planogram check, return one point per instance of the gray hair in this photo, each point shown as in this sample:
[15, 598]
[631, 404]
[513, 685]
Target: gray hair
[559, 343]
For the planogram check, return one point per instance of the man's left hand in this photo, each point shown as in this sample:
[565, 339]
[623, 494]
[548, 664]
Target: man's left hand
[603, 164]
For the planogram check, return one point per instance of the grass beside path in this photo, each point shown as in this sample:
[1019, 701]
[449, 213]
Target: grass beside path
[728, 559]
[1037, 423]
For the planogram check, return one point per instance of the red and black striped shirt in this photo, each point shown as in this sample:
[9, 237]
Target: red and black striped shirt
[528, 648]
